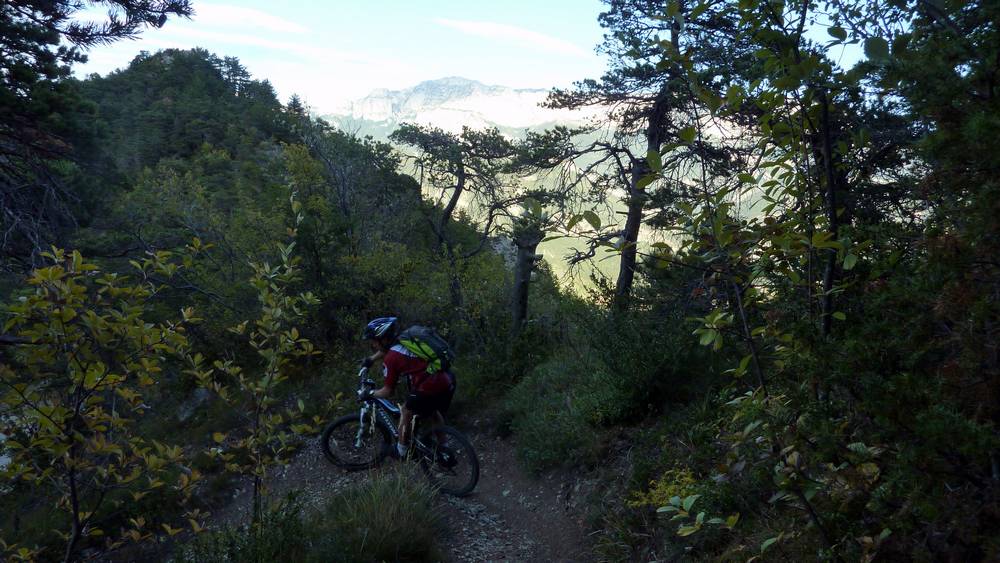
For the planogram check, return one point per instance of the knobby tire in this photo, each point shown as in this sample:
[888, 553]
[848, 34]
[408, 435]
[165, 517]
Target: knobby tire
[457, 475]
[337, 443]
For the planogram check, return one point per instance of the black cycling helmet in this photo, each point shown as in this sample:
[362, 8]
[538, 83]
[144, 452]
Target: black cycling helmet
[382, 327]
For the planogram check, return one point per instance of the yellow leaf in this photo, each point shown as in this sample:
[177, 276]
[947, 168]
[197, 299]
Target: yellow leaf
[870, 471]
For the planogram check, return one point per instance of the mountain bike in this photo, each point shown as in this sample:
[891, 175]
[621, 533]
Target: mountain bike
[362, 441]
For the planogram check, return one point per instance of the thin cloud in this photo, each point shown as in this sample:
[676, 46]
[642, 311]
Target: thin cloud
[223, 15]
[209, 37]
[514, 34]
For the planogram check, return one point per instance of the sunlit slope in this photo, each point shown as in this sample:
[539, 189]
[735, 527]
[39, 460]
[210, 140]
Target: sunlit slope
[451, 103]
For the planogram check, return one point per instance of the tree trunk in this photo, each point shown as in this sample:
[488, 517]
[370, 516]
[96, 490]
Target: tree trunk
[77, 532]
[457, 301]
[441, 230]
[655, 127]
[258, 501]
[526, 240]
[830, 179]
[630, 238]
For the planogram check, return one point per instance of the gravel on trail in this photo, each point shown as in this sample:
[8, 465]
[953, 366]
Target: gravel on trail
[510, 516]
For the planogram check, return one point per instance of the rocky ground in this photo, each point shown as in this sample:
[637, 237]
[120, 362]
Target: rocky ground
[511, 516]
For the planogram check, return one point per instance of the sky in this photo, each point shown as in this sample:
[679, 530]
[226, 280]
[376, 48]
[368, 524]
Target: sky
[336, 51]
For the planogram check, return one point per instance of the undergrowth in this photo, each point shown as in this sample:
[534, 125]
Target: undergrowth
[389, 517]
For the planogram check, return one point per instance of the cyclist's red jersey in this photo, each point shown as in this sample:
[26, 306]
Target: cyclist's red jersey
[400, 362]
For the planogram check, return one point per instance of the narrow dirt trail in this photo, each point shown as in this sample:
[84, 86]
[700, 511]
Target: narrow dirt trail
[511, 516]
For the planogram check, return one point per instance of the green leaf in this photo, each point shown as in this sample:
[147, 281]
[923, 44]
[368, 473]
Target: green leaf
[533, 206]
[593, 219]
[689, 501]
[711, 100]
[877, 49]
[698, 10]
[742, 369]
[768, 543]
[707, 337]
[687, 134]
[573, 221]
[850, 260]
[654, 160]
[745, 362]
[858, 448]
[734, 96]
[840, 316]
[645, 181]
[837, 32]
[821, 239]
[685, 531]
[750, 427]
[786, 83]
[794, 459]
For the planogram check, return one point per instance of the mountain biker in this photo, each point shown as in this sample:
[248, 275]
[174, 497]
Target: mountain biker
[429, 394]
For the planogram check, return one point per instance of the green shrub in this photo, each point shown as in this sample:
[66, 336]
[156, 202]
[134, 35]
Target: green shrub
[390, 517]
[547, 419]
[281, 535]
[674, 482]
[610, 370]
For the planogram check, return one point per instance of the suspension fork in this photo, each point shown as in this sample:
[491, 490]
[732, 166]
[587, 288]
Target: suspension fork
[374, 416]
[361, 426]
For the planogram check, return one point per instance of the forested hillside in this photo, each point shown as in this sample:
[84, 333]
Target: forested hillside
[796, 359]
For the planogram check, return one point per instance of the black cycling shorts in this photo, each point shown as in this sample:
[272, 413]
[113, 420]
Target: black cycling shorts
[425, 405]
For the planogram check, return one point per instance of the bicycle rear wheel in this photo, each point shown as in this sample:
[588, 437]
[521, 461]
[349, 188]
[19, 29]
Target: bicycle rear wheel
[349, 444]
[451, 464]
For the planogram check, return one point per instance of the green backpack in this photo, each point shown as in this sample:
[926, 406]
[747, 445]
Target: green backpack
[429, 346]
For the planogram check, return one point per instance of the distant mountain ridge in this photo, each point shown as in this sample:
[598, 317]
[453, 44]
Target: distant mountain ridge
[451, 103]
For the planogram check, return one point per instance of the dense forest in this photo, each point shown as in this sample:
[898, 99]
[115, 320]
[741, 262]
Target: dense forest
[797, 358]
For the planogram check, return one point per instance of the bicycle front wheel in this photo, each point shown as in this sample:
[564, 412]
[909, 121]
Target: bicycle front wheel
[349, 444]
[450, 461]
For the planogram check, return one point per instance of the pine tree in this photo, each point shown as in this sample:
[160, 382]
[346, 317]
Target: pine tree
[39, 41]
